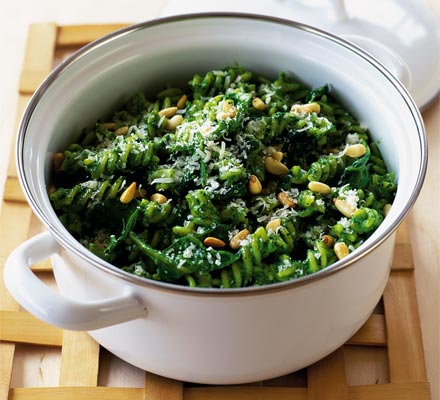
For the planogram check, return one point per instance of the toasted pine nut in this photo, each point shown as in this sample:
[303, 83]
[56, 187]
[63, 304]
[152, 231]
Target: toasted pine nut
[319, 187]
[230, 109]
[273, 225]
[386, 209]
[174, 122]
[214, 242]
[182, 101]
[344, 208]
[306, 108]
[128, 194]
[356, 150]
[168, 112]
[58, 159]
[234, 243]
[341, 250]
[159, 198]
[275, 167]
[254, 185]
[328, 240]
[109, 125]
[258, 104]
[123, 130]
[51, 189]
[286, 200]
[278, 155]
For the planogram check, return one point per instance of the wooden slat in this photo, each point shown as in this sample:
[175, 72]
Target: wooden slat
[79, 35]
[372, 333]
[7, 351]
[79, 360]
[15, 217]
[38, 57]
[408, 391]
[11, 234]
[22, 327]
[411, 391]
[13, 191]
[245, 393]
[326, 378]
[158, 388]
[42, 266]
[391, 391]
[405, 347]
[402, 258]
[76, 393]
[365, 365]
[23, 101]
[14, 227]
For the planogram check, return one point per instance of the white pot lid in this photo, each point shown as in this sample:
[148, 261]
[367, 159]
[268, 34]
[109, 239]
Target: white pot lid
[403, 34]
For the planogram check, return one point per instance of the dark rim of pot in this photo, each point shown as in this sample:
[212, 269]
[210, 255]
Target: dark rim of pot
[73, 245]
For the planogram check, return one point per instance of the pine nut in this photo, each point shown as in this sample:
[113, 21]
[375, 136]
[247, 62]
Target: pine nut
[341, 250]
[213, 242]
[286, 200]
[386, 209]
[254, 185]
[356, 150]
[230, 109]
[306, 108]
[109, 125]
[278, 155]
[344, 208]
[128, 194]
[258, 104]
[275, 167]
[319, 187]
[58, 159]
[328, 240]
[273, 225]
[174, 122]
[182, 101]
[123, 130]
[168, 112]
[234, 243]
[159, 198]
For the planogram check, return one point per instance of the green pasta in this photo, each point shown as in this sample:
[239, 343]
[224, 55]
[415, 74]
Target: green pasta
[234, 180]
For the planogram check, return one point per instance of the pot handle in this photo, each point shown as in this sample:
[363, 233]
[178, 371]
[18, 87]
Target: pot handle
[54, 307]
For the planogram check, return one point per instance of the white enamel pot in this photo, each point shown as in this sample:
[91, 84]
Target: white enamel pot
[209, 335]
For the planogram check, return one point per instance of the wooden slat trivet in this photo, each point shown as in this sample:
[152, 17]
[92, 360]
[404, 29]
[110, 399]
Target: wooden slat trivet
[397, 329]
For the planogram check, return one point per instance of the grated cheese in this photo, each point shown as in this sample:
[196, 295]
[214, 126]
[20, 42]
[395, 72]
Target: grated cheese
[162, 180]
[350, 196]
[189, 251]
[352, 138]
[344, 222]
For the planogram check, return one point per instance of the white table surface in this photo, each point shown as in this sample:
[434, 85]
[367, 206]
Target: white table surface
[18, 14]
